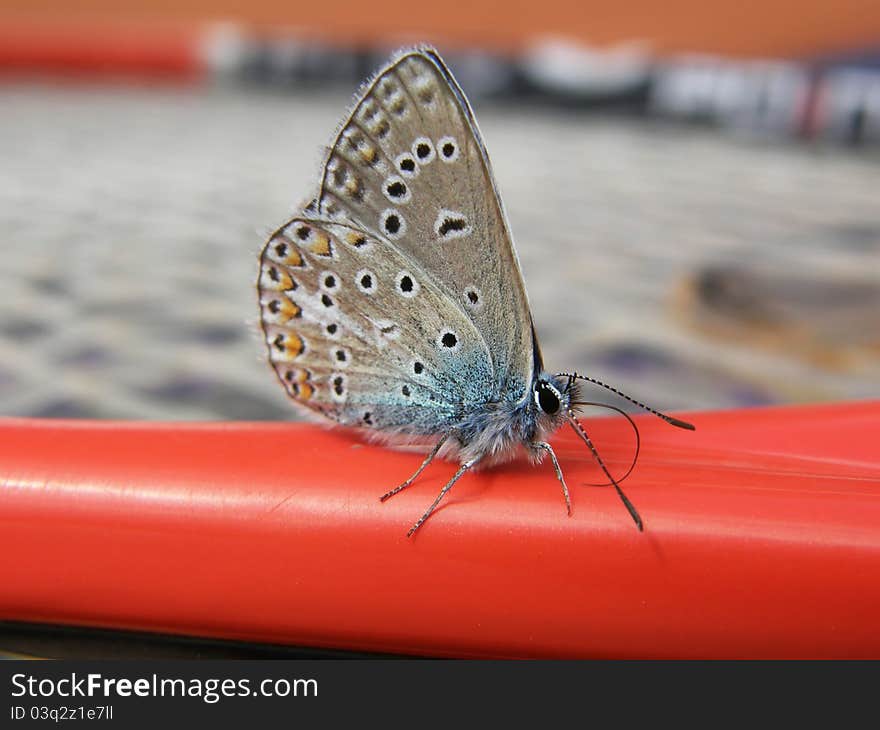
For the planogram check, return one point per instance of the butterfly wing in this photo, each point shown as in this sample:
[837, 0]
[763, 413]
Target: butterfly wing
[409, 165]
[358, 333]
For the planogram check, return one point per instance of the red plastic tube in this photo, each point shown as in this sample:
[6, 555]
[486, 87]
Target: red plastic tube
[762, 539]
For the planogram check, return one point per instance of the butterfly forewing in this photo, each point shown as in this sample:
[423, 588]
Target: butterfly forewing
[409, 166]
[366, 344]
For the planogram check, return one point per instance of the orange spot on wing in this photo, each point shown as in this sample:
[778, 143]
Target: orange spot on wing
[355, 239]
[352, 187]
[321, 245]
[293, 258]
[294, 345]
[286, 346]
[275, 278]
[299, 383]
[302, 376]
[283, 309]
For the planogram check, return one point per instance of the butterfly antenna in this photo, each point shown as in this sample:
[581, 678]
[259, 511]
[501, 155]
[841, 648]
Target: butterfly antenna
[579, 430]
[669, 419]
[631, 423]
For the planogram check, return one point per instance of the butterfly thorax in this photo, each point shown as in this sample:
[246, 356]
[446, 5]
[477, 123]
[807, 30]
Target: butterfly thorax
[493, 432]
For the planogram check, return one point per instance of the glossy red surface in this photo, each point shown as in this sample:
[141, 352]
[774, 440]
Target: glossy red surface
[762, 539]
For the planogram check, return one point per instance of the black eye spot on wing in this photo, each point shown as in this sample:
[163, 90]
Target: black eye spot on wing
[396, 189]
[407, 285]
[449, 340]
[473, 298]
[452, 224]
[392, 223]
[448, 148]
[423, 150]
[365, 280]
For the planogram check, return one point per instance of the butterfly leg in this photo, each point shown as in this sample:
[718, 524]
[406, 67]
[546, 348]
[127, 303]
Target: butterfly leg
[428, 459]
[546, 447]
[461, 470]
[579, 429]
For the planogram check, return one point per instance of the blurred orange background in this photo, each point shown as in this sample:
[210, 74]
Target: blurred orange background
[780, 28]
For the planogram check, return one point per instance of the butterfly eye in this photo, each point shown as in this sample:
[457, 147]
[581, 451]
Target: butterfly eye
[547, 398]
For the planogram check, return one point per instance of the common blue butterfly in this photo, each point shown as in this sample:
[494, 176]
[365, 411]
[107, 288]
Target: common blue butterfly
[395, 304]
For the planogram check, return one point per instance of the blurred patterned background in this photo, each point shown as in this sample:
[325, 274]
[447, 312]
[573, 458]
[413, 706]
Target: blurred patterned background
[696, 202]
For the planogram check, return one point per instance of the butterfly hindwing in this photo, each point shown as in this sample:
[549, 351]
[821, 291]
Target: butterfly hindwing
[409, 165]
[366, 344]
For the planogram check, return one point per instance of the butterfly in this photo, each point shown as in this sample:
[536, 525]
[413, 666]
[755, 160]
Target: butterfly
[394, 303]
